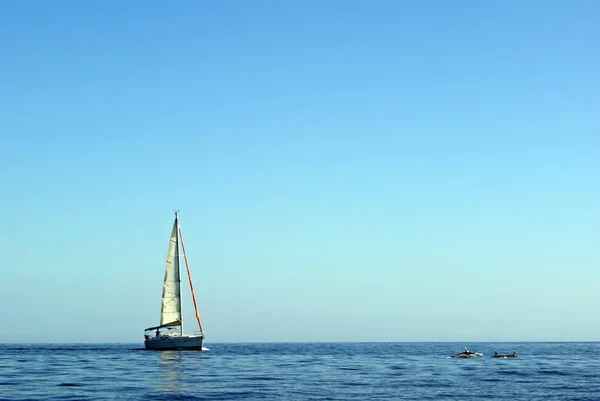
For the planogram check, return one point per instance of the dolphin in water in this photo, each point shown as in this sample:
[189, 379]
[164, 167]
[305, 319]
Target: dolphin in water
[497, 355]
[467, 354]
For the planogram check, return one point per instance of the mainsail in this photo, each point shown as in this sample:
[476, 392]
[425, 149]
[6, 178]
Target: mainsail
[170, 314]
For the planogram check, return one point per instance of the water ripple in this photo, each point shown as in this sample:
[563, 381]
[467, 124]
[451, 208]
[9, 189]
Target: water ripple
[349, 371]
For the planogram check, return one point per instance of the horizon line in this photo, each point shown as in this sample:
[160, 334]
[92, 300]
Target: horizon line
[317, 342]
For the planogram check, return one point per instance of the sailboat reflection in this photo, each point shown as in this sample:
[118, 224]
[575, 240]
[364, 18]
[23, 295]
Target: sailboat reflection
[170, 371]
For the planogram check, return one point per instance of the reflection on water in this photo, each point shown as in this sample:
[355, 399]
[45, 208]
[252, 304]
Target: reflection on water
[170, 371]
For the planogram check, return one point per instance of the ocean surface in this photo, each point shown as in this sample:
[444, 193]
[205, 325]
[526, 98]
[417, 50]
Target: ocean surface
[300, 371]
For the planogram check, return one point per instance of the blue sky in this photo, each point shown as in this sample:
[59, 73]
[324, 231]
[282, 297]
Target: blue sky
[345, 171]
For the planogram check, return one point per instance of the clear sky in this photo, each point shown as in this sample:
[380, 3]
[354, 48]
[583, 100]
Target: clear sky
[344, 170]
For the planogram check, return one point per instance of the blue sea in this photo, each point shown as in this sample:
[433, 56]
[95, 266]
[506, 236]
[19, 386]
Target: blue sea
[300, 371]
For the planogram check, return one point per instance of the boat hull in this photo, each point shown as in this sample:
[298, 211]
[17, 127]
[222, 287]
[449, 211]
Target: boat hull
[174, 342]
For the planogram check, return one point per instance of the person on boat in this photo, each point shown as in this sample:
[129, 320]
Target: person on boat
[496, 355]
[158, 333]
[467, 352]
[514, 354]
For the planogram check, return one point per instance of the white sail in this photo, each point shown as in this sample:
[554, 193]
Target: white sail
[171, 296]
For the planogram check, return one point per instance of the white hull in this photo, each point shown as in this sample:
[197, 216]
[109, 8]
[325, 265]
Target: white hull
[174, 342]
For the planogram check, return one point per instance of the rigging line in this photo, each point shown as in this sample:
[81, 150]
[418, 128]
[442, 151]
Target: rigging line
[190, 277]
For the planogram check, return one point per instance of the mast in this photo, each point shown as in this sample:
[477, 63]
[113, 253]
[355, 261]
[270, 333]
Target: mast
[190, 278]
[178, 269]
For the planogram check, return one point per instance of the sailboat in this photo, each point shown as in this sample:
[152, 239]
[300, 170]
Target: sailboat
[169, 333]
